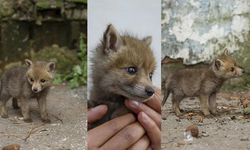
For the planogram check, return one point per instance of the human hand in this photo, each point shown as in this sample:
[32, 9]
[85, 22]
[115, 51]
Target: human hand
[118, 134]
[149, 115]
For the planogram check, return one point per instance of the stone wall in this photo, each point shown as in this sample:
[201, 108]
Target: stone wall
[27, 25]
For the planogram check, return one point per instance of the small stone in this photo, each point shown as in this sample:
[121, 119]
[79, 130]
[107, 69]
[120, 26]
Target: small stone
[12, 147]
[194, 130]
[233, 117]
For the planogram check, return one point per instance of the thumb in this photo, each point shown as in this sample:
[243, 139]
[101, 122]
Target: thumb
[96, 113]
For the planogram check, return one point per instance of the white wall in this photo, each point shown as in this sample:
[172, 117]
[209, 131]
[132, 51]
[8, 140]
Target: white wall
[139, 17]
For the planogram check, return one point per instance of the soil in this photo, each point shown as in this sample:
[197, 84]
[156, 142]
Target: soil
[230, 130]
[66, 109]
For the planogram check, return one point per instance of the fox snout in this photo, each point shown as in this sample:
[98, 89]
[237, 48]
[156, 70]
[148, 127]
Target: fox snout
[36, 88]
[238, 72]
[150, 91]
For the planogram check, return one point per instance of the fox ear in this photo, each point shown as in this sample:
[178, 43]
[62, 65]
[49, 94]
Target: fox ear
[147, 40]
[28, 63]
[51, 66]
[112, 39]
[219, 63]
[225, 52]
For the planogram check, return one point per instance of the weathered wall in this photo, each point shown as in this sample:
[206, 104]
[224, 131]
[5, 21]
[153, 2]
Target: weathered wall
[27, 25]
[200, 30]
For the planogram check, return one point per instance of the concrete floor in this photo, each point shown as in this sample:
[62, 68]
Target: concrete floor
[67, 109]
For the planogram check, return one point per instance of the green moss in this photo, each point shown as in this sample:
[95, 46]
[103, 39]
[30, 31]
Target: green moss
[78, 1]
[45, 4]
[65, 59]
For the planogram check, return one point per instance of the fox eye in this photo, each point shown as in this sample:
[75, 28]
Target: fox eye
[232, 69]
[131, 70]
[31, 80]
[150, 76]
[42, 80]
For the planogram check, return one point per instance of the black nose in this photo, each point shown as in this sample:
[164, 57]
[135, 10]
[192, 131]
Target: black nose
[150, 91]
[35, 89]
[242, 71]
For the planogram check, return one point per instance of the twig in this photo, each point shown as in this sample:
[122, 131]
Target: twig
[29, 133]
[57, 118]
[173, 130]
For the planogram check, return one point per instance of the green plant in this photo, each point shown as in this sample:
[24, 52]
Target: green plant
[78, 74]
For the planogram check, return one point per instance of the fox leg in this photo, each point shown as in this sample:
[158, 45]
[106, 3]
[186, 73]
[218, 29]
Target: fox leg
[25, 109]
[213, 104]
[204, 104]
[4, 97]
[15, 103]
[176, 104]
[42, 108]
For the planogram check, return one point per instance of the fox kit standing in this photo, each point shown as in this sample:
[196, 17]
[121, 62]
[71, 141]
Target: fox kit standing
[204, 83]
[24, 84]
[122, 68]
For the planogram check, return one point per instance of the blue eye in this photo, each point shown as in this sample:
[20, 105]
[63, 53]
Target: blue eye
[150, 76]
[232, 69]
[31, 80]
[42, 80]
[131, 70]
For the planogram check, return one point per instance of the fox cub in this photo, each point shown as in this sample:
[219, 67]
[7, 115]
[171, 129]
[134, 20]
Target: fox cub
[204, 83]
[122, 68]
[26, 83]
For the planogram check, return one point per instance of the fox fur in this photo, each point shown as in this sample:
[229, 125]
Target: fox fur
[203, 83]
[122, 67]
[26, 83]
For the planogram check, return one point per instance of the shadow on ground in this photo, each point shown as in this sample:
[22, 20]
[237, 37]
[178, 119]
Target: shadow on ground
[67, 110]
[230, 130]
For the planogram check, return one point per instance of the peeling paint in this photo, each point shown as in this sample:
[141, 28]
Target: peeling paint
[200, 30]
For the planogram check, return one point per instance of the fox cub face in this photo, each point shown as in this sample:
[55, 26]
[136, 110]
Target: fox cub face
[130, 65]
[40, 74]
[227, 66]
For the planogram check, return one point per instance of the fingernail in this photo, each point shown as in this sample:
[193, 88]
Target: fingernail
[133, 103]
[144, 117]
[97, 107]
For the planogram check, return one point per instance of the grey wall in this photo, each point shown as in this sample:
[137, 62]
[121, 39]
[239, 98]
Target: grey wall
[199, 30]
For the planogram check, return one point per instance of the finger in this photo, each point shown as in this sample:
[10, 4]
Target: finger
[141, 144]
[125, 138]
[137, 107]
[96, 113]
[152, 130]
[155, 102]
[105, 131]
[149, 147]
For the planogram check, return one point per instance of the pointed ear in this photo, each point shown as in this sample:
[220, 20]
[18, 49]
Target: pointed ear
[225, 52]
[148, 40]
[219, 63]
[51, 66]
[112, 39]
[28, 63]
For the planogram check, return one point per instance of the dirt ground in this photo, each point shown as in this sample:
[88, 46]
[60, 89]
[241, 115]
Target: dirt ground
[229, 131]
[67, 110]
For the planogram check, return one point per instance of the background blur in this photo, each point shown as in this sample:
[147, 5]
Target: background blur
[53, 30]
[195, 32]
[141, 18]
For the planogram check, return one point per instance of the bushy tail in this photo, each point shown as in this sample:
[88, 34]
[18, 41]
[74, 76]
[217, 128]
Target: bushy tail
[166, 94]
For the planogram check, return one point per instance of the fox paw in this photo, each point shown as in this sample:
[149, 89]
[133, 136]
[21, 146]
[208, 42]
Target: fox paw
[4, 116]
[46, 121]
[28, 120]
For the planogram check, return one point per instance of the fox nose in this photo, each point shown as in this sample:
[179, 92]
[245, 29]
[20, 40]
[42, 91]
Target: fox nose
[150, 91]
[35, 89]
[242, 71]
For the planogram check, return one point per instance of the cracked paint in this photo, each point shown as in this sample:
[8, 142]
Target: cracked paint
[200, 30]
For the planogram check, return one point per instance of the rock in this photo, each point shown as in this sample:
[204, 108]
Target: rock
[194, 130]
[12, 147]
[246, 111]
